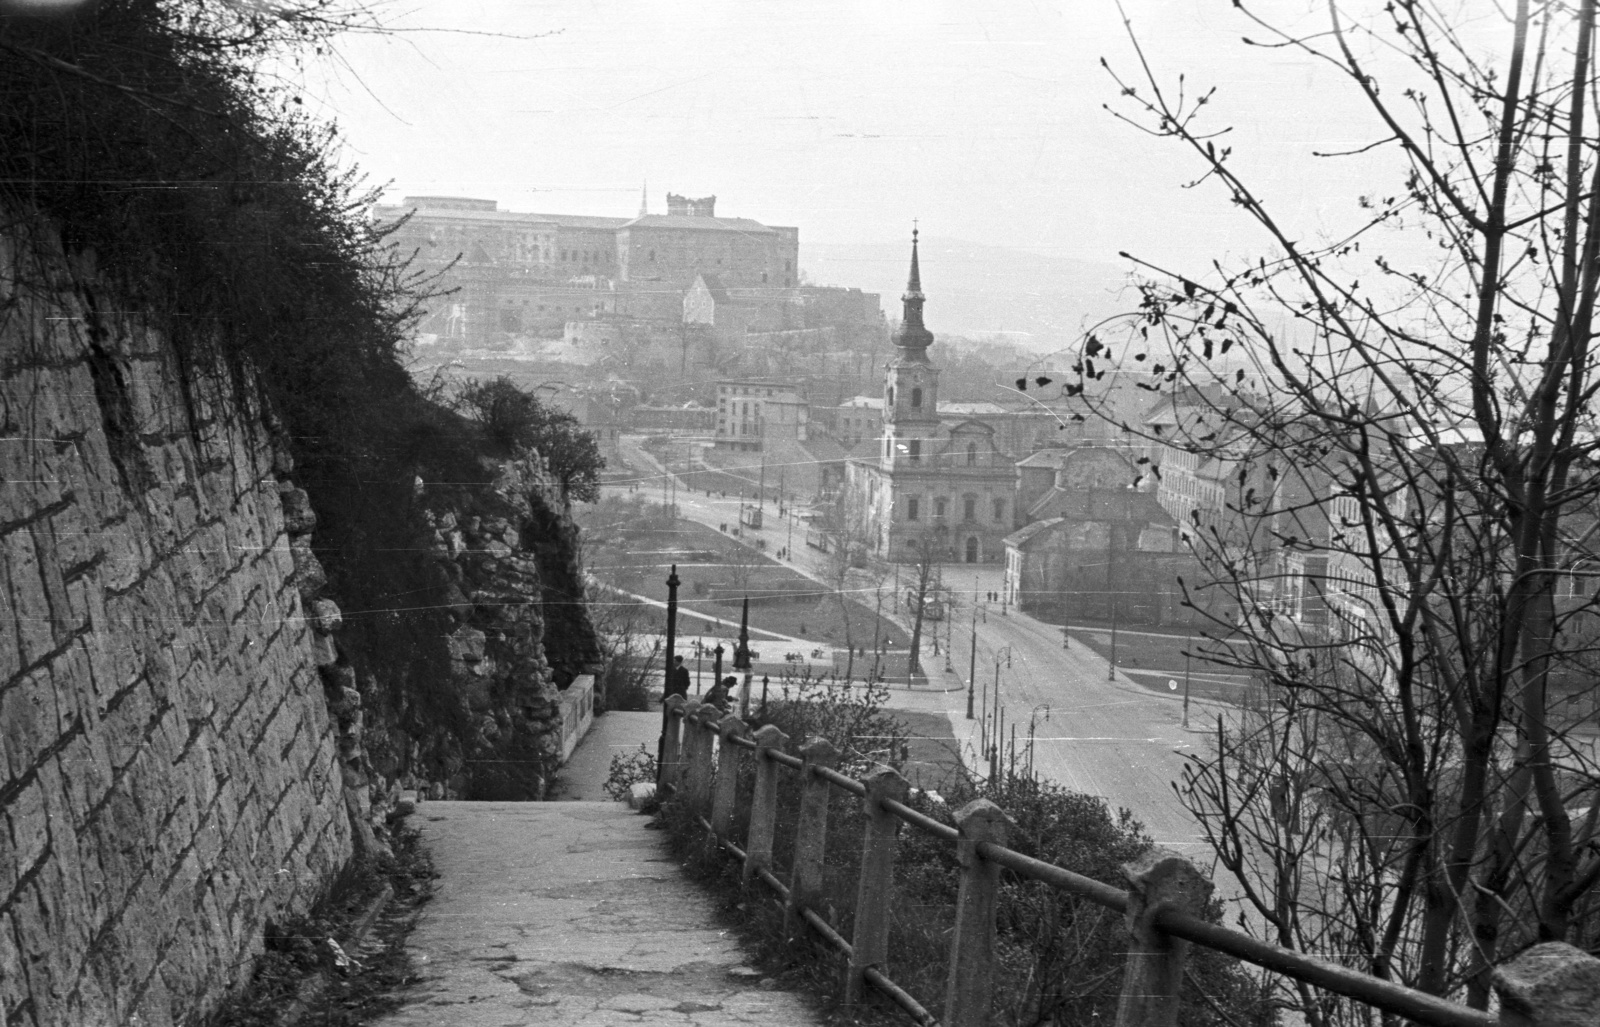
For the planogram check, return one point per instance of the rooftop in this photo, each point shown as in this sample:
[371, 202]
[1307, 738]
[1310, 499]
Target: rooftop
[743, 226]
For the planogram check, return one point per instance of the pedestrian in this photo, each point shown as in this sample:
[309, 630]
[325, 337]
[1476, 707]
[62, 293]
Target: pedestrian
[678, 680]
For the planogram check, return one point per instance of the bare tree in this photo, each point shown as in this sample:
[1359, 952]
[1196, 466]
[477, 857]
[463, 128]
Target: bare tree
[848, 535]
[1386, 465]
[930, 551]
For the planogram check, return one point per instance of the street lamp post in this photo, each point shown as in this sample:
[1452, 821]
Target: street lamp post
[672, 634]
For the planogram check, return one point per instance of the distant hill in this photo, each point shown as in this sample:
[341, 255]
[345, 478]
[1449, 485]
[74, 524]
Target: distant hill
[1038, 301]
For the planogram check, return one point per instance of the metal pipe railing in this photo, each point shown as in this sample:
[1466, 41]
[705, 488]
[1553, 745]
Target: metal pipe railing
[1165, 895]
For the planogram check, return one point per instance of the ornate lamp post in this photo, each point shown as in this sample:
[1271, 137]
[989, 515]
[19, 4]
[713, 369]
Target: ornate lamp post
[741, 660]
[672, 637]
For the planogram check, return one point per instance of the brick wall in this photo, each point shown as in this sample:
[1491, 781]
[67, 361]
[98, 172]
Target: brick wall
[168, 774]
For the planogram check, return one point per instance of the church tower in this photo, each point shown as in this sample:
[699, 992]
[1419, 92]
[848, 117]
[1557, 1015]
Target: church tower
[911, 386]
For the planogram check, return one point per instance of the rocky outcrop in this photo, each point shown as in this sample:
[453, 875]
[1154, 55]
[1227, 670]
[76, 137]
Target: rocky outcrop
[506, 560]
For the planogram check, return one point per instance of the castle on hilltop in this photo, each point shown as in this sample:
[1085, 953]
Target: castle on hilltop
[518, 273]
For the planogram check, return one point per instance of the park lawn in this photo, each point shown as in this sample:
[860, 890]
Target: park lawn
[935, 757]
[715, 570]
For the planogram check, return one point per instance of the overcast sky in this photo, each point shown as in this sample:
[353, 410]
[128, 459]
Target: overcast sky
[849, 118]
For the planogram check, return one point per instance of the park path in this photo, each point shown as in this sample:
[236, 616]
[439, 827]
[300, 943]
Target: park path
[573, 913]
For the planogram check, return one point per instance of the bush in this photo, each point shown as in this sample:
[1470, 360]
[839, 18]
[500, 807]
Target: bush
[629, 769]
[1059, 959]
[513, 419]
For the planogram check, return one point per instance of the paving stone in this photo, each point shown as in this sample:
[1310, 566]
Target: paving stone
[572, 913]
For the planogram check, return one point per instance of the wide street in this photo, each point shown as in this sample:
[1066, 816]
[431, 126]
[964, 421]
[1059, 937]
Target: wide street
[1093, 732]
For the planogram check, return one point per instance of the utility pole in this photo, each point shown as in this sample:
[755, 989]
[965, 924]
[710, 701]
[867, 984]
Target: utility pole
[1111, 671]
[761, 483]
[972, 663]
[1186, 687]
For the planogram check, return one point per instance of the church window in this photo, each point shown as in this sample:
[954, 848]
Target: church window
[969, 508]
[911, 510]
[916, 398]
[914, 450]
[972, 454]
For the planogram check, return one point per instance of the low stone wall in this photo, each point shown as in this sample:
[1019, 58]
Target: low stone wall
[577, 713]
[168, 768]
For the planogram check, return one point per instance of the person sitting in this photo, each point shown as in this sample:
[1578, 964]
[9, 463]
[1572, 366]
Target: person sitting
[721, 691]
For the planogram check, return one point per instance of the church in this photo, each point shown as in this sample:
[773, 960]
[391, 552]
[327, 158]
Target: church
[929, 486]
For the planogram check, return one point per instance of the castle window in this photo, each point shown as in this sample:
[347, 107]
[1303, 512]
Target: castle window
[972, 454]
[911, 510]
[916, 398]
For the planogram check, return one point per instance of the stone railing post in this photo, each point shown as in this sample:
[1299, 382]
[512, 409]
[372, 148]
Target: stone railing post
[726, 790]
[869, 946]
[696, 758]
[671, 776]
[1159, 880]
[811, 834]
[970, 986]
[1549, 985]
[764, 804]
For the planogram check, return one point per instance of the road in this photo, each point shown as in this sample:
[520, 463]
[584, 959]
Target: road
[1102, 737]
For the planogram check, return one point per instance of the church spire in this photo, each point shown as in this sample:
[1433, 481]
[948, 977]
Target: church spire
[913, 337]
[914, 283]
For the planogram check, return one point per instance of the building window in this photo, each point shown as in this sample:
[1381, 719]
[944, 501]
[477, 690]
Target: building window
[652, 256]
[914, 450]
[911, 510]
[938, 507]
[916, 398]
[972, 454]
[763, 278]
[970, 508]
[999, 510]
[891, 395]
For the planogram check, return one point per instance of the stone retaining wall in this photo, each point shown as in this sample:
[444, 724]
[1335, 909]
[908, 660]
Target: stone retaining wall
[168, 769]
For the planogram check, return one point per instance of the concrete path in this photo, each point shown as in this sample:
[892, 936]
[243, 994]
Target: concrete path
[583, 776]
[572, 913]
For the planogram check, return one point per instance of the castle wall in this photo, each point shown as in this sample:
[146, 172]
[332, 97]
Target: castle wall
[168, 767]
